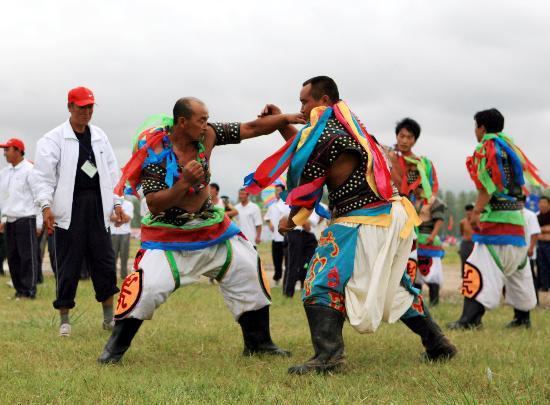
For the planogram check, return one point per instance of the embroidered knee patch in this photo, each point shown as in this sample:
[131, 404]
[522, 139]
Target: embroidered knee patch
[472, 281]
[130, 292]
[424, 265]
[411, 269]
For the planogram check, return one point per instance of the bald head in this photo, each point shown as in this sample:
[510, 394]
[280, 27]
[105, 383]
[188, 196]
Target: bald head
[185, 107]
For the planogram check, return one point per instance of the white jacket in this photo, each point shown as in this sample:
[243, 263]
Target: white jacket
[55, 168]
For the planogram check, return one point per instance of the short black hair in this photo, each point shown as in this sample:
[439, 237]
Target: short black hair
[491, 119]
[183, 108]
[281, 185]
[410, 125]
[469, 207]
[321, 86]
[543, 197]
[215, 185]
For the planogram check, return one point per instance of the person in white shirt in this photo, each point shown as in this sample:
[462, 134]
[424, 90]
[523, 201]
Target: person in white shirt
[277, 210]
[120, 236]
[19, 219]
[532, 232]
[220, 202]
[74, 174]
[249, 218]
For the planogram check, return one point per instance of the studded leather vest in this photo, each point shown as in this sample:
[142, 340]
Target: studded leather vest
[509, 202]
[355, 192]
[153, 178]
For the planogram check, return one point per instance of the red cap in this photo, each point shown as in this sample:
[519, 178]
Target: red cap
[81, 96]
[16, 143]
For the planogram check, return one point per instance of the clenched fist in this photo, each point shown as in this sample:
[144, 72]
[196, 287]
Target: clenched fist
[269, 109]
[193, 173]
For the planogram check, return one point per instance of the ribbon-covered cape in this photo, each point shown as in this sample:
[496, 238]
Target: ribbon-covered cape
[149, 135]
[296, 152]
[427, 176]
[486, 166]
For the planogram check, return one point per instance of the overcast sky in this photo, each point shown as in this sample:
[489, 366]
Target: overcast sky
[436, 61]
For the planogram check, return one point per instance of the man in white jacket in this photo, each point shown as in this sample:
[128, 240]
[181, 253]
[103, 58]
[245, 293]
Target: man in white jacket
[19, 219]
[74, 174]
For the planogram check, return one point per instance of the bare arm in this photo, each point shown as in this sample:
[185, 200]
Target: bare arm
[532, 244]
[437, 227]
[268, 124]
[287, 131]
[258, 234]
[483, 198]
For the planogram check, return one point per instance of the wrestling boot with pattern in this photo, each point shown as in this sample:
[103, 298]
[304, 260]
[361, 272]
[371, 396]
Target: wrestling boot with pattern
[434, 294]
[521, 319]
[256, 335]
[326, 326]
[123, 333]
[437, 345]
[472, 313]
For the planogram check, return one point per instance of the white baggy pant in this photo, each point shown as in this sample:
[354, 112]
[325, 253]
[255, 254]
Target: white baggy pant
[374, 292]
[429, 270]
[484, 278]
[243, 285]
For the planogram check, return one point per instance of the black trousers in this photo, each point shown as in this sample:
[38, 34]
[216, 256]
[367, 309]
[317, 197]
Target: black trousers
[278, 254]
[300, 248]
[22, 253]
[543, 264]
[87, 238]
[466, 247]
[2, 251]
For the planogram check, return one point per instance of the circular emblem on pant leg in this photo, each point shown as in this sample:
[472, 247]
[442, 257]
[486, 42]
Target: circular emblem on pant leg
[411, 269]
[472, 282]
[130, 291]
[424, 265]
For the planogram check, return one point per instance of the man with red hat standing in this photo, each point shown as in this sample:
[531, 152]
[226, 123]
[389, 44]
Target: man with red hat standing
[19, 219]
[75, 173]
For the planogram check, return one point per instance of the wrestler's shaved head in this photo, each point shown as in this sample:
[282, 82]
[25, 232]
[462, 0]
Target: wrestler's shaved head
[190, 118]
[321, 86]
[184, 107]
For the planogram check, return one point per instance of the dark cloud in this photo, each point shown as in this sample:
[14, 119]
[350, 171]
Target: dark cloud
[438, 62]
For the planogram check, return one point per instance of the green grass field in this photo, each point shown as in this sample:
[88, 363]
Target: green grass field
[191, 353]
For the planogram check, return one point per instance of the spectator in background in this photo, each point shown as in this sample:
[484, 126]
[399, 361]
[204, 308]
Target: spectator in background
[230, 210]
[75, 173]
[249, 218]
[221, 202]
[543, 246]
[120, 236]
[277, 210]
[2, 252]
[301, 245]
[19, 219]
[214, 194]
[466, 232]
[532, 232]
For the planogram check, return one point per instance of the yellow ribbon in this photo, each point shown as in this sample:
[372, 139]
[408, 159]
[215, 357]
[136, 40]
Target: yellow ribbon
[384, 220]
[301, 216]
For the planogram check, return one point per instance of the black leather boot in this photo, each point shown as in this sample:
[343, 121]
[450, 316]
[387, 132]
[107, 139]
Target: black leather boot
[521, 319]
[326, 326]
[256, 335]
[434, 294]
[120, 340]
[472, 312]
[437, 346]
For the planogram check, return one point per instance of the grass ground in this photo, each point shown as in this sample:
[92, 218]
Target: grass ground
[190, 353]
